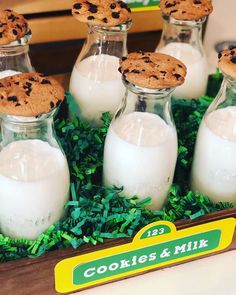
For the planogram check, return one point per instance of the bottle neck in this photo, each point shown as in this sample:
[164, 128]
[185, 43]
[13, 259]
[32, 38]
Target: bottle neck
[154, 101]
[109, 41]
[13, 129]
[226, 96]
[15, 58]
[179, 31]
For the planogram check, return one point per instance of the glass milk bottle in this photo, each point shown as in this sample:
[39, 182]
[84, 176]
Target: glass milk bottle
[14, 56]
[214, 164]
[141, 145]
[95, 82]
[34, 175]
[182, 38]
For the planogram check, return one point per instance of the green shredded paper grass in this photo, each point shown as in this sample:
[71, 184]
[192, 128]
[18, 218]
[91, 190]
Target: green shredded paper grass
[95, 213]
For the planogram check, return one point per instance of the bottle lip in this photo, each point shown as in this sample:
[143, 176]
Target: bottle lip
[187, 23]
[119, 28]
[148, 91]
[25, 120]
[22, 41]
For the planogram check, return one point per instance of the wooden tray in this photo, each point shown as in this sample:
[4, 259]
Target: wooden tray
[36, 276]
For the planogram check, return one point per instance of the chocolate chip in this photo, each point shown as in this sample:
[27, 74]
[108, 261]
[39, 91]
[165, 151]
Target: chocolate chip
[197, 2]
[1, 85]
[232, 52]
[177, 76]
[155, 77]
[173, 11]
[93, 9]
[1, 25]
[17, 104]
[12, 98]
[170, 4]
[120, 70]
[1, 34]
[115, 14]
[180, 66]
[17, 83]
[123, 4]
[12, 17]
[105, 20]
[233, 60]
[90, 17]
[126, 71]
[77, 6]
[113, 6]
[52, 104]
[123, 58]
[135, 71]
[28, 84]
[219, 55]
[28, 92]
[19, 27]
[14, 31]
[45, 81]
[163, 72]
[31, 79]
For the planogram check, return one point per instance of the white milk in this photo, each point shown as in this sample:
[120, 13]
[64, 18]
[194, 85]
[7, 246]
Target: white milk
[34, 187]
[96, 86]
[214, 166]
[197, 69]
[8, 73]
[140, 154]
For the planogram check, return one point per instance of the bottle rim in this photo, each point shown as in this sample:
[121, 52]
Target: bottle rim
[148, 91]
[25, 120]
[124, 27]
[188, 23]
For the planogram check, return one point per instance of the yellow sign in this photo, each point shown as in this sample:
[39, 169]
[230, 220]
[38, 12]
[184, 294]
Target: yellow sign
[156, 245]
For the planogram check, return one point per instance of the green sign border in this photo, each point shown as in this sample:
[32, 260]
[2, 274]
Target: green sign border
[148, 256]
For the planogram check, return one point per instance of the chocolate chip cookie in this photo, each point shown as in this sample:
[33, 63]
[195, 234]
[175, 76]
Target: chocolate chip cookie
[153, 70]
[106, 13]
[227, 62]
[186, 9]
[29, 95]
[13, 26]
